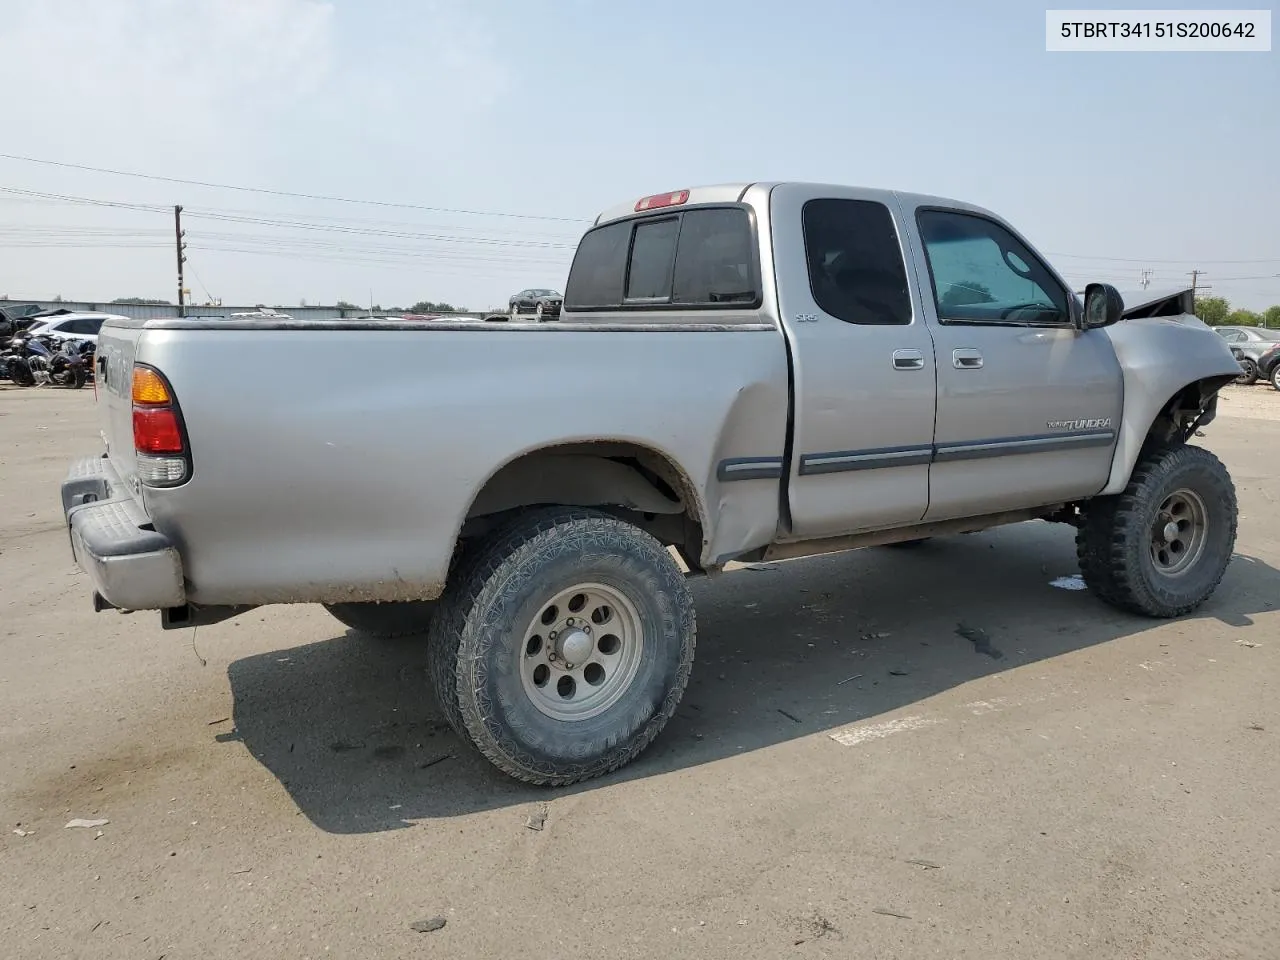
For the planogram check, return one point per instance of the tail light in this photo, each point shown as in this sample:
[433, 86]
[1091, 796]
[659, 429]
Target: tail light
[159, 437]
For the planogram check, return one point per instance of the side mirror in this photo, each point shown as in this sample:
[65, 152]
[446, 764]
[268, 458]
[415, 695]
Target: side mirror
[1103, 305]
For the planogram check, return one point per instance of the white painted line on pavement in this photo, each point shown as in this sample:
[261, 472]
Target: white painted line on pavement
[854, 735]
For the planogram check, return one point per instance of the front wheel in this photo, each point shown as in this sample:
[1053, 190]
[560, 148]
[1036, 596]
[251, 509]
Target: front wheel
[1162, 546]
[385, 620]
[563, 647]
[1248, 373]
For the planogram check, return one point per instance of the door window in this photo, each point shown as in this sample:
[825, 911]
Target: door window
[982, 273]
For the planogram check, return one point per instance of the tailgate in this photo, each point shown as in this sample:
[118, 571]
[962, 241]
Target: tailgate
[117, 346]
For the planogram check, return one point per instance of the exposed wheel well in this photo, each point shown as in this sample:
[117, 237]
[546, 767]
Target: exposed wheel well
[1192, 407]
[630, 481]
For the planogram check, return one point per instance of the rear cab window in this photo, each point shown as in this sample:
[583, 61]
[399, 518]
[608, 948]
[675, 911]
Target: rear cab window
[698, 258]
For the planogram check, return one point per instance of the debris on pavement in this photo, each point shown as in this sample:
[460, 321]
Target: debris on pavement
[1073, 582]
[537, 820]
[434, 760]
[927, 864]
[214, 723]
[23, 833]
[897, 673]
[430, 925]
[890, 913]
[818, 927]
[1248, 643]
[790, 716]
[856, 676]
[980, 639]
[90, 824]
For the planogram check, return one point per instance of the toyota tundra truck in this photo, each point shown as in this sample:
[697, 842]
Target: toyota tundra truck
[747, 372]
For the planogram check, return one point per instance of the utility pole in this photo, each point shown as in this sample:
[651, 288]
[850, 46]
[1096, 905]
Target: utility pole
[1195, 277]
[182, 258]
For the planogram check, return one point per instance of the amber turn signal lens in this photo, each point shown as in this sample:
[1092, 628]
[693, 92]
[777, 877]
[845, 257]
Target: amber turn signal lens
[149, 387]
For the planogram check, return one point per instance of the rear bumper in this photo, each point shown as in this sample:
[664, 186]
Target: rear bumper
[131, 565]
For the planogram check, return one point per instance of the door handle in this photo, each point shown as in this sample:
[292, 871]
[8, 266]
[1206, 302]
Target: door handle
[966, 358]
[908, 360]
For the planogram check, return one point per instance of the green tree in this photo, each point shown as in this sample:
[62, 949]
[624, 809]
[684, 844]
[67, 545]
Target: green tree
[1271, 316]
[1244, 318]
[141, 300]
[429, 306]
[1213, 310]
[343, 305]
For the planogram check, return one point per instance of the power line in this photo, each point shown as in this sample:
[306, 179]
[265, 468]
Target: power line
[286, 193]
[1081, 256]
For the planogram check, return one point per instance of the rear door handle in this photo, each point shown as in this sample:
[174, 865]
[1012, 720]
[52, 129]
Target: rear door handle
[908, 360]
[966, 358]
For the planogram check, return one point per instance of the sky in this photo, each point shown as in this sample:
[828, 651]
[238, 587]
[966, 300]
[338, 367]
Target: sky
[488, 133]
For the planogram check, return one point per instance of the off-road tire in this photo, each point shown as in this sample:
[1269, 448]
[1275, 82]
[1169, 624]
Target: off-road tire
[476, 643]
[1248, 373]
[1113, 543]
[387, 621]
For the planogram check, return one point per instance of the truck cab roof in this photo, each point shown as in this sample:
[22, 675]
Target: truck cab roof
[738, 192]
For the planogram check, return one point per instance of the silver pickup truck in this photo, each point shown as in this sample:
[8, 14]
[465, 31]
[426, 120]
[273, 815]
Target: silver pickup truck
[749, 372]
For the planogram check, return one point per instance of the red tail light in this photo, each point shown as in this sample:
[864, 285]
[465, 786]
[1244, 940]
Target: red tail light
[156, 430]
[158, 436]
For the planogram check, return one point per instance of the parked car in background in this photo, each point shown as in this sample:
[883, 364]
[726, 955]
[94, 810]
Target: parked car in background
[543, 304]
[1267, 366]
[1249, 344]
[73, 325]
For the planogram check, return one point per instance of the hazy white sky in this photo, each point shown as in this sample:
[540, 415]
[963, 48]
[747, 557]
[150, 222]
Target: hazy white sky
[536, 114]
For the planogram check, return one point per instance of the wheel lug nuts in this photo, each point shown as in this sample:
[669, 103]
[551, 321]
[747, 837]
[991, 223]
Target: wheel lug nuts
[570, 621]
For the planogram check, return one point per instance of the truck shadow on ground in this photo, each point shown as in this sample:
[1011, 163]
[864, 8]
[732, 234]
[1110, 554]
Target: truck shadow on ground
[351, 729]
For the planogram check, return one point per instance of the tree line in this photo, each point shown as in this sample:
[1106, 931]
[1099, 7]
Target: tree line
[1217, 312]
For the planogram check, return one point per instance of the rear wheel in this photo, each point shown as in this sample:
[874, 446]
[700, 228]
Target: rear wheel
[385, 620]
[1161, 547]
[1248, 372]
[563, 647]
[1275, 376]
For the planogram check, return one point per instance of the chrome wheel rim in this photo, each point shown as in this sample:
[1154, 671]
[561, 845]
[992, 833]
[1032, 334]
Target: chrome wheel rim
[1178, 533]
[581, 652]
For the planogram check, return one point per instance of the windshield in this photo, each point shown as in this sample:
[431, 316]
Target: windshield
[545, 293]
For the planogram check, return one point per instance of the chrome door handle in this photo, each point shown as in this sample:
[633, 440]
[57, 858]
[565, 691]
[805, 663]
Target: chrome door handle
[966, 358]
[908, 360]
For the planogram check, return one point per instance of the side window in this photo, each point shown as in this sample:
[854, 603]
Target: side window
[1233, 336]
[595, 279]
[982, 273]
[653, 252]
[856, 271]
[714, 259]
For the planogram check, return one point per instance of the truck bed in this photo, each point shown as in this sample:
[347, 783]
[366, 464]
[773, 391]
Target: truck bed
[336, 461]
